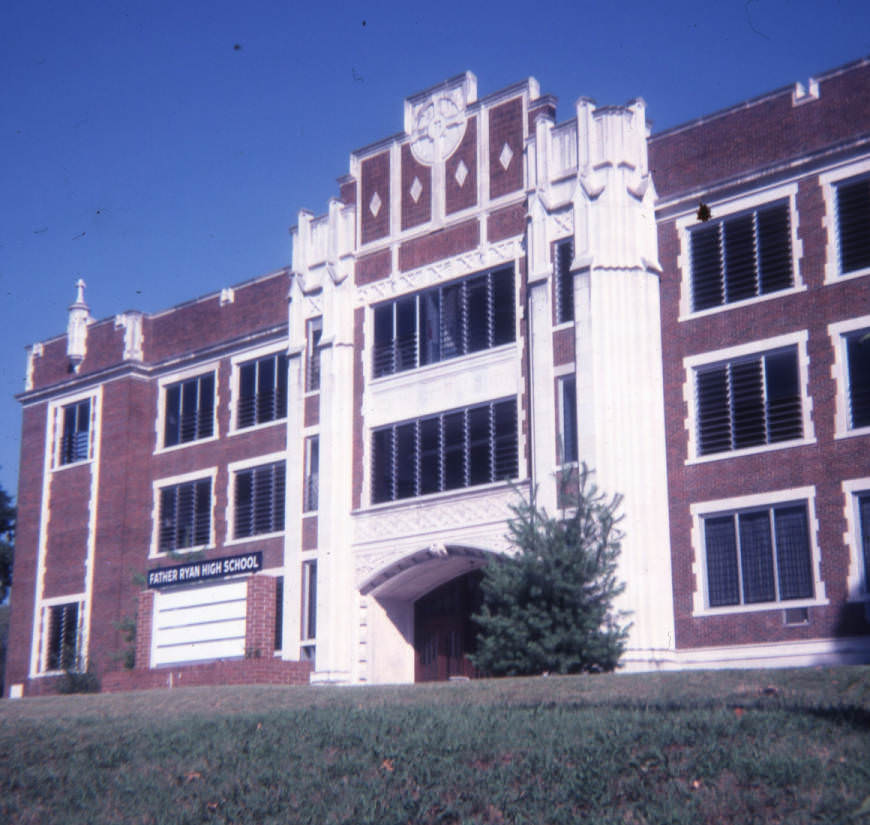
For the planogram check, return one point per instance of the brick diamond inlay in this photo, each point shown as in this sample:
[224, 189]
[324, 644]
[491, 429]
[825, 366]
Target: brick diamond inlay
[505, 157]
[461, 173]
[416, 189]
[375, 204]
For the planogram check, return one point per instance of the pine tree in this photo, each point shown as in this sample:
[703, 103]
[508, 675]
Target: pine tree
[548, 607]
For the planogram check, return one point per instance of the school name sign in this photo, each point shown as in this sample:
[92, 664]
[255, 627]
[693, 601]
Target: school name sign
[199, 571]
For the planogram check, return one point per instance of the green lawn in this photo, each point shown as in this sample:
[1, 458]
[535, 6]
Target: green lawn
[708, 747]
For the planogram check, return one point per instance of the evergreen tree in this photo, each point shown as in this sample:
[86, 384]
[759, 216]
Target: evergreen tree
[548, 607]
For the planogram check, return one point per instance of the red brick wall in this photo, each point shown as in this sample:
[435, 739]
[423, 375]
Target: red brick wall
[67, 545]
[105, 347]
[506, 223]
[28, 505]
[373, 267]
[260, 617]
[439, 245]
[190, 327]
[822, 464]
[375, 175]
[312, 410]
[506, 126]
[415, 213]
[462, 197]
[563, 346]
[760, 134]
[309, 533]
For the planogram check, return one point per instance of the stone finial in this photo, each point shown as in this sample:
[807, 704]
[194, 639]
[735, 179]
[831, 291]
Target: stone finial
[77, 327]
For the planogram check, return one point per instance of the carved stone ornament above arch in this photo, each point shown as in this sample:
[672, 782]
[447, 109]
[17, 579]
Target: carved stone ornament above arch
[436, 120]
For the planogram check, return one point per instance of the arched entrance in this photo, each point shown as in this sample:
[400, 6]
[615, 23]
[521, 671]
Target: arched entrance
[424, 603]
[444, 633]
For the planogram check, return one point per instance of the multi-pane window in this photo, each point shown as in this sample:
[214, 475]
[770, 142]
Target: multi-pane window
[75, 441]
[858, 357]
[567, 447]
[741, 256]
[279, 613]
[314, 330]
[189, 410]
[62, 640]
[185, 515]
[853, 224]
[749, 402]
[460, 448]
[758, 555]
[454, 319]
[259, 500]
[262, 390]
[564, 283]
[312, 474]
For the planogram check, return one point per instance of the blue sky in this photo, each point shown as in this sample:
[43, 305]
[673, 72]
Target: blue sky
[161, 150]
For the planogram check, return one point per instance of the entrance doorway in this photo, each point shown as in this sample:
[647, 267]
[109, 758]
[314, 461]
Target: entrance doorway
[444, 633]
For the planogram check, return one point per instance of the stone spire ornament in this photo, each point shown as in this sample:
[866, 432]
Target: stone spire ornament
[77, 328]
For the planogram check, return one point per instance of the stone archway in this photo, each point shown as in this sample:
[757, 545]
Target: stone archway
[433, 593]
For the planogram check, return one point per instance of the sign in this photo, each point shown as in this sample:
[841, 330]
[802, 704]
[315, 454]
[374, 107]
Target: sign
[203, 570]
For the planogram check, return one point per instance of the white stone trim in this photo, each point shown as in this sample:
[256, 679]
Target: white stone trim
[838, 332]
[691, 364]
[174, 378]
[169, 481]
[230, 510]
[700, 510]
[723, 209]
[858, 590]
[829, 181]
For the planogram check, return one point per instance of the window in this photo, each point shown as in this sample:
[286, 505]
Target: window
[279, 613]
[858, 391]
[758, 555]
[75, 442]
[853, 224]
[455, 319]
[455, 449]
[314, 330]
[309, 601]
[564, 284]
[259, 500]
[742, 256]
[567, 446]
[185, 515]
[749, 402]
[312, 472]
[189, 410]
[262, 390]
[862, 506]
[62, 637]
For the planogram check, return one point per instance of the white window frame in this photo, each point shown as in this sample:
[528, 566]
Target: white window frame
[692, 363]
[170, 481]
[306, 638]
[160, 420]
[45, 606]
[702, 509]
[858, 589]
[839, 332]
[313, 326]
[237, 467]
[310, 441]
[829, 181]
[55, 417]
[236, 362]
[723, 209]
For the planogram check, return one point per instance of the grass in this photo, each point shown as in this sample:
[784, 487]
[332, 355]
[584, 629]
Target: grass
[706, 747]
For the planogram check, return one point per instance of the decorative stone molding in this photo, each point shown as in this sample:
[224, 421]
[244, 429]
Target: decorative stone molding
[455, 267]
[435, 119]
[77, 327]
[228, 296]
[134, 338]
[34, 351]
